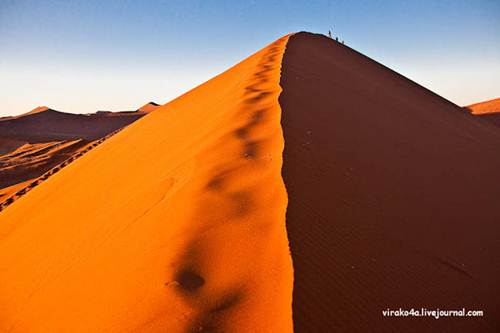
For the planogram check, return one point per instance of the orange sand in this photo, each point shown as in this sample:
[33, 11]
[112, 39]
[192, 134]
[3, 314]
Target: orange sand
[488, 111]
[9, 191]
[491, 106]
[35, 142]
[175, 224]
[22, 166]
[149, 107]
[35, 110]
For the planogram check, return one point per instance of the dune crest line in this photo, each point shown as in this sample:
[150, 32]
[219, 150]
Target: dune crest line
[175, 224]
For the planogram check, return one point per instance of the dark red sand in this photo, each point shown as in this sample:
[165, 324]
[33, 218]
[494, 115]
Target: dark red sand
[53, 125]
[393, 197]
[493, 118]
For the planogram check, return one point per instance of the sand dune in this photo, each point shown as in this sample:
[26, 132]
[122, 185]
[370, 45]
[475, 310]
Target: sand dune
[393, 197]
[8, 145]
[489, 111]
[381, 193]
[149, 107]
[175, 224]
[492, 106]
[31, 161]
[44, 124]
[35, 142]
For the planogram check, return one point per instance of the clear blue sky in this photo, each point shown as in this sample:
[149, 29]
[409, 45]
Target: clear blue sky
[83, 56]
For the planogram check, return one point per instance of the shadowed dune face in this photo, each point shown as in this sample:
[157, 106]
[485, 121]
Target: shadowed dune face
[493, 118]
[393, 197]
[9, 145]
[191, 239]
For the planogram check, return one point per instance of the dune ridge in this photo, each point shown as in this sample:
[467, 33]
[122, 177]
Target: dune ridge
[36, 110]
[193, 239]
[148, 107]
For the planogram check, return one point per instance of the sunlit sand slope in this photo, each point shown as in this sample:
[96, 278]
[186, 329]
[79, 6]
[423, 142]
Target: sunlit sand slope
[491, 106]
[175, 224]
[489, 111]
[393, 197]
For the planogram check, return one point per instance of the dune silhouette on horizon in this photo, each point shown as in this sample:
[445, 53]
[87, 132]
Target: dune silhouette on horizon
[307, 188]
[44, 124]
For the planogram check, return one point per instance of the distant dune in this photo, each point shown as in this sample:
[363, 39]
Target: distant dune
[35, 110]
[30, 161]
[489, 110]
[34, 142]
[7, 145]
[308, 188]
[149, 107]
[491, 106]
[45, 124]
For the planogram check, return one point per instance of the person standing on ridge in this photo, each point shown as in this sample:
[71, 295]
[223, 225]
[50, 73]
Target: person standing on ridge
[330, 33]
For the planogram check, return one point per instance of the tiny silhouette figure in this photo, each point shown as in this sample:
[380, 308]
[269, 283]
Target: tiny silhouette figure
[337, 39]
[330, 33]
[342, 41]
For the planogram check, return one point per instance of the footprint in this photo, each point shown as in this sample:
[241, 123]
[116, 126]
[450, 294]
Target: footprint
[188, 280]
